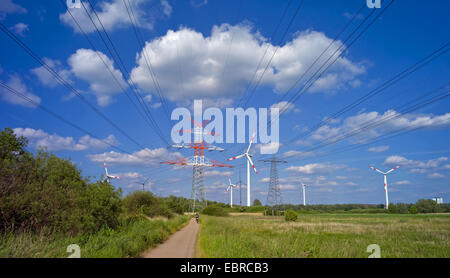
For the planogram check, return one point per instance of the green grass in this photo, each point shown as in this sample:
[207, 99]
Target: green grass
[325, 236]
[129, 240]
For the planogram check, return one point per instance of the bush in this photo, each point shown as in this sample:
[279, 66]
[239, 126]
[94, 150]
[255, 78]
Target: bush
[290, 215]
[257, 202]
[252, 209]
[43, 191]
[177, 204]
[402, 208]
[427, 206]
[413, 209]
[140, 202]
[392, 208]
[215, 210]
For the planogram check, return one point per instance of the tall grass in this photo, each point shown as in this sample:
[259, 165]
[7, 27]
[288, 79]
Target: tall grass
[129, 240]
[325, 235]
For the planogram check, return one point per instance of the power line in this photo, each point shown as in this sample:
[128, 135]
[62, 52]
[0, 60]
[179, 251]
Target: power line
[370, 124]
[275, 52]
[265, 52]
[64, 82]
[59, 117]
[302, 90]
[123, 68]
[398, 77]
[106, 65]
[321, 54]
[141, 44]
[249, 84]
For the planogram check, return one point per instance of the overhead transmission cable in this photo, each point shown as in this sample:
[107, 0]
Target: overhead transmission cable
[123, 68]
[106, 65]
[274, 52]
[59, 117]
[310, 82]
[28, 50]
[148, 62]
[398, 77]
[404, 109]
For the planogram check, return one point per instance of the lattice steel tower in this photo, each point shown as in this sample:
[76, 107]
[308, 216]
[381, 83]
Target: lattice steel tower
[198, 163]
[274, 193]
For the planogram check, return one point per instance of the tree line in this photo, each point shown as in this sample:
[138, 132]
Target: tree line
[43, 192]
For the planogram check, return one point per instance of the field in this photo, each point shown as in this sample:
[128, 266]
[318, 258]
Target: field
[325, 236]
[130, 240]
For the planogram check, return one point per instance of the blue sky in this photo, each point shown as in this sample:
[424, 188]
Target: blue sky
[210, 50]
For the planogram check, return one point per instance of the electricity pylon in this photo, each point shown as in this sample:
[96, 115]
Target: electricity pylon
[274, 193]
[198, 163]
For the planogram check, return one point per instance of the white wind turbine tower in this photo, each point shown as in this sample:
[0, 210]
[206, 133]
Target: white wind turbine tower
[230, 187]
[108, 176]
[304, 198]
[249, 161]
[385, 182]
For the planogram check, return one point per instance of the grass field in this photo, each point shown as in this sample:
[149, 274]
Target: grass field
[130, 240]
[325, 236]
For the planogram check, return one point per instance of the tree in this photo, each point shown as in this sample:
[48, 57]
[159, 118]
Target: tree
[290, 215]
[10, 144]
[412, 209]
[427, 206]
[402, 208]
[257, 202]
[392, 208]
[45, 191]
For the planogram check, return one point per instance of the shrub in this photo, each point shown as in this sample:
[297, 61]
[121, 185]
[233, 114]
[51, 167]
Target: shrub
[257, 202]
[427, 206]
[290, 215]
[215, 210]
[402, 208]
[392, 208]
[43, 191]
[252, 209]
[413, 209]
[140, 202]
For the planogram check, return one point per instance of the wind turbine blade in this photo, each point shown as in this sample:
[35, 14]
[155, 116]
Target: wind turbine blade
[375, 169]
[106, 168]
[393, 169]
[236, 157]
[229, 181]
[228, 188]
[251, 141]
[251, 162]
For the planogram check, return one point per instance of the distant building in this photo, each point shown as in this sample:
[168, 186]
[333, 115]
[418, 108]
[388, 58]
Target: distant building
[438, 200]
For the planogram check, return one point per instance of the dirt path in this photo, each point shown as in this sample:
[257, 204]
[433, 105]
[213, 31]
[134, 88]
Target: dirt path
[179, 245]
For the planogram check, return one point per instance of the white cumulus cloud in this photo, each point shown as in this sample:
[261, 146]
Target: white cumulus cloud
[53, 142]
[141, 158]
[15, 82]
[19, 28]
[214, 68]
[378, 149]
[112, 14]
[46, 78]
[88, 66]
[315, 168]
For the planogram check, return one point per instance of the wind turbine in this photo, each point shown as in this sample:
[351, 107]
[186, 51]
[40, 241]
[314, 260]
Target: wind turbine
[249, 161]
[143, 183]
[230, 187]
[385, 182]
[108, 176]
[304, 198]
